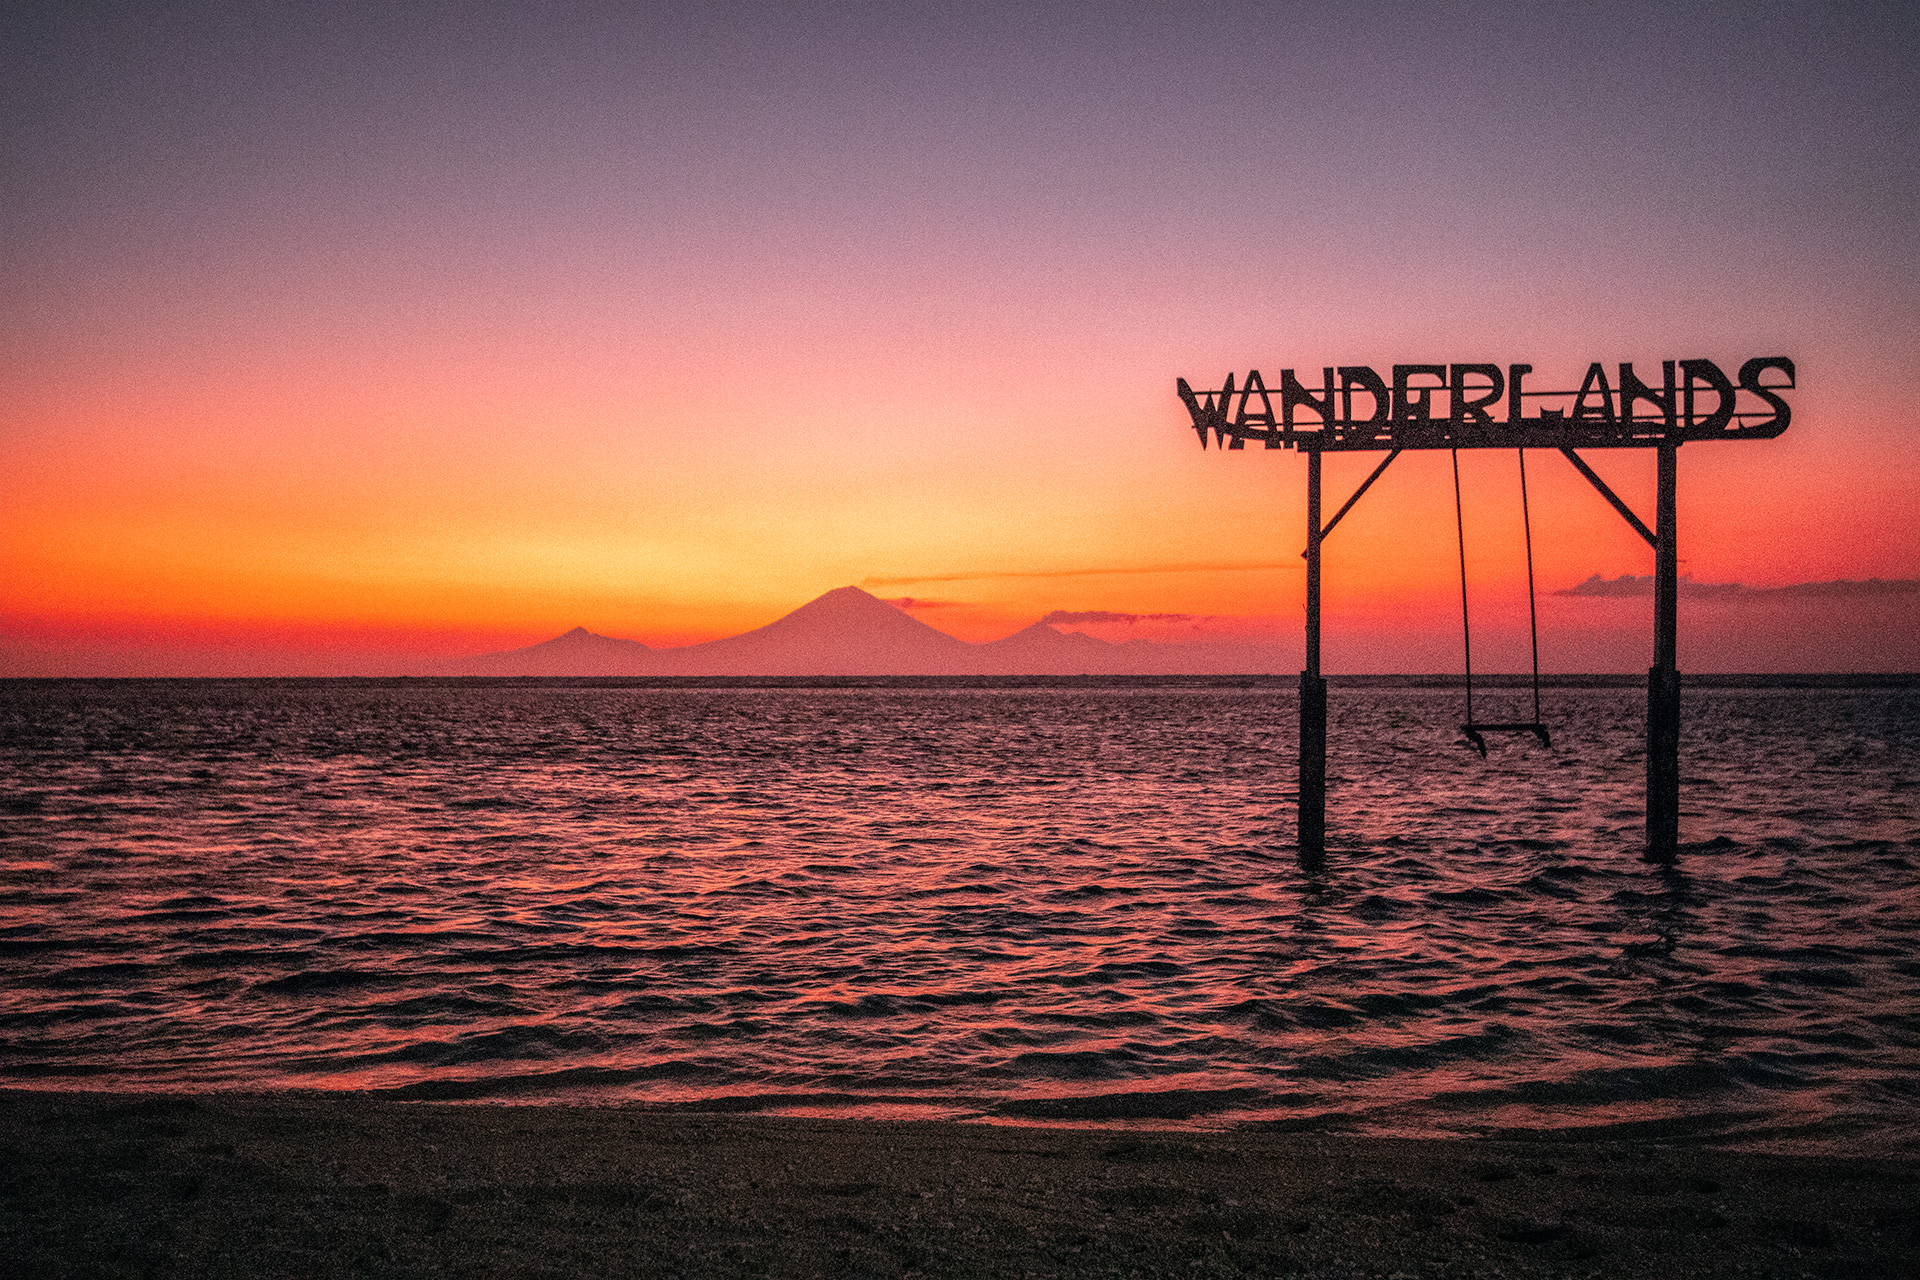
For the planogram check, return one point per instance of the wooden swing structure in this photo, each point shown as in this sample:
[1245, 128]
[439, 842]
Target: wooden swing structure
[1597, 416]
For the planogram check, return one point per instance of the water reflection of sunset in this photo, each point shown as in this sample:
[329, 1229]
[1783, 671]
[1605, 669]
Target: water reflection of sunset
[1030, 906]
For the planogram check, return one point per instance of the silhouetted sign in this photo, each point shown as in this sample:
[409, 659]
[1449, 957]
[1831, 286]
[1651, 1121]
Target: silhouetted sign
[1483, 406]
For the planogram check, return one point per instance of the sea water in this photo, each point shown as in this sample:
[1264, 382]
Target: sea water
[1024, 902]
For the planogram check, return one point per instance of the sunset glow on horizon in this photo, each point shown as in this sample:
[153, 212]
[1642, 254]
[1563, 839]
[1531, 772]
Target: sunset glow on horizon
[338, 345]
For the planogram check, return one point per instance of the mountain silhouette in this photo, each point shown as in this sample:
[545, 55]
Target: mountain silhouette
[845, 632]
[577, 653]
[848, 632]
[1040, 650]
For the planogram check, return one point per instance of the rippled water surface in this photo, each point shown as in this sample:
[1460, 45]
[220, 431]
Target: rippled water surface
[1052, 904]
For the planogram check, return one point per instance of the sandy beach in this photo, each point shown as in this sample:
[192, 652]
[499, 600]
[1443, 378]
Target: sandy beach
[305, 1185]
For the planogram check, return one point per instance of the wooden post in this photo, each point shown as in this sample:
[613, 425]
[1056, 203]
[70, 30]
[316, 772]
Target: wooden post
[1313, 693]
[1663, 680]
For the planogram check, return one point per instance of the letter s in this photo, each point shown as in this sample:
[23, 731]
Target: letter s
[1750, 381]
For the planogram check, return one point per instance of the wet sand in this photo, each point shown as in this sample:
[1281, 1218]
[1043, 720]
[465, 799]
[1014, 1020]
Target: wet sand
[306, 1185]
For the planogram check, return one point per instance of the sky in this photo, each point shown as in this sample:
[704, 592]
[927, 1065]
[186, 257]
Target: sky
[340, 338]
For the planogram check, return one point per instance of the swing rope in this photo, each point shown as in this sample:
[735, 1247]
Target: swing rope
[1466, 628]
[1473, 728]
[1533, 612]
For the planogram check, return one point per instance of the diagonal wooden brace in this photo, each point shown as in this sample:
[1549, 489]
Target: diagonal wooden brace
[1610, 496]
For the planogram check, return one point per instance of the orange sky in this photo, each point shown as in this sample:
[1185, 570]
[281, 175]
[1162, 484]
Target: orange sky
[317, 372]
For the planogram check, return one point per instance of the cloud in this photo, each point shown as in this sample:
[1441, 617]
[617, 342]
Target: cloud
[915, 602]
[1103, 615]
[1625, 585]
[1628, 585]
[1084, 573]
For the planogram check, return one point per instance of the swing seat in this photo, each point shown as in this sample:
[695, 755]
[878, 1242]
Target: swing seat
[1473, 732]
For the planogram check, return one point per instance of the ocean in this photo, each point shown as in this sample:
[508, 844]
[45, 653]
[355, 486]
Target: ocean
[1054, 902]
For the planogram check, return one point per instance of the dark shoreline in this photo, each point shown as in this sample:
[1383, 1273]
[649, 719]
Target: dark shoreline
[340, 1185]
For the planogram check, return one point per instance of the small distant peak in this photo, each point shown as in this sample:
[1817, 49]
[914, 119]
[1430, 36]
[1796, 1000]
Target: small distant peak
[578, 633]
